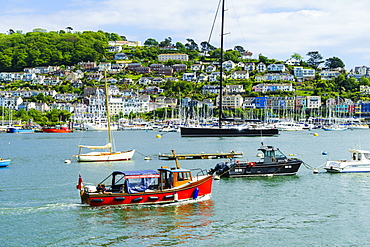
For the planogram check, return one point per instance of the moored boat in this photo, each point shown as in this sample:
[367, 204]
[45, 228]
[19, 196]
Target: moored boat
[288, 126]
[103, 156]
[15, 129]
[4, 163]
[227, 132]
[223, 131]
[359, 162]
[56, 130]
[148, 187]
[110, 155]
[273, 162]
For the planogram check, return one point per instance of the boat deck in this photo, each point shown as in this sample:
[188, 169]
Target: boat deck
[200, 156]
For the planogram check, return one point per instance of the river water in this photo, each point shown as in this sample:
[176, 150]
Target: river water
[40, 205]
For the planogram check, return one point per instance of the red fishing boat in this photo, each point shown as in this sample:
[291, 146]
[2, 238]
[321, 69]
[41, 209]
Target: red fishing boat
[148, 187]
[57, 130]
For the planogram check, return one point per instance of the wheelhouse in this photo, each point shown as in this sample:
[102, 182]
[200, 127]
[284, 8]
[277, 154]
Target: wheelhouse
[271, 154]
[170, 178]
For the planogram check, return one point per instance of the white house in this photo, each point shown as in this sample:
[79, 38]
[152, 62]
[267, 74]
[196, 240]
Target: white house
[304, 74]
[189, 77]
[249, 66]
[228, 65]
[234, 89]
[276, 67]
[329, 74]
[240, 75]
[210, 89]
[261, 67]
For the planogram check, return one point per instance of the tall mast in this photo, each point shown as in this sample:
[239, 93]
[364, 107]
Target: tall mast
[108, 113]
[221, 60]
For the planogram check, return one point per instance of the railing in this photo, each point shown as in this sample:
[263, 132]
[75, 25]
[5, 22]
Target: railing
[201, 172]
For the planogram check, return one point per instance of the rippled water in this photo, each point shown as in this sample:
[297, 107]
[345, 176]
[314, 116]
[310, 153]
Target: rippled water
[40, 206]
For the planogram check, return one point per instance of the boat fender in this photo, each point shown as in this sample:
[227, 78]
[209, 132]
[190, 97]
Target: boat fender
[120, 198]
[176, 197]
[137, 199]
[195, 193]
[168, 197]
[251, 164]
[97, 200]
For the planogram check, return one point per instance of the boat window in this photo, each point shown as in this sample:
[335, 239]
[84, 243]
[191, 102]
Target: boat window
[358, 156]
[135, 185]
[367, 155]
[354, 156]
[182, 176]
[269, 154]
[118, 179]
[279, 155]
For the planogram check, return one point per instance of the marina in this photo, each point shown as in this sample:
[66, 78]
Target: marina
[323, 209]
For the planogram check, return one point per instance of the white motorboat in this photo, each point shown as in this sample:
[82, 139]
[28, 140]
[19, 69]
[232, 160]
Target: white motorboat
[359, 162]
[288, 126]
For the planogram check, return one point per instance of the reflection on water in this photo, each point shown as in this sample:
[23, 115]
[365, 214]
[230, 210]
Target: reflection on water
[150, 225]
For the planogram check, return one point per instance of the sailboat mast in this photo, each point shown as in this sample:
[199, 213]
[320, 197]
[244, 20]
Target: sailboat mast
[108, 113]
[221, 60]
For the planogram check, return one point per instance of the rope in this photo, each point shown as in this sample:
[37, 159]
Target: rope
[313, 168]
[141, 153]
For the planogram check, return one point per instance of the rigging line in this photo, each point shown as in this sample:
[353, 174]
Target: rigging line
[214, 21]
[237, 20]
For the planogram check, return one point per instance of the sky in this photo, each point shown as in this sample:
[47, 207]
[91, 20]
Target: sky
[276, 29]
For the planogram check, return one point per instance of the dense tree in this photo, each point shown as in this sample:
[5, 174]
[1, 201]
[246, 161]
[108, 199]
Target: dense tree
[191, 45]
[262, 58]
[151, 42]
[315, 59]
[206, 47]
[333, 63]
[180, 46]
[297, 56]
[40, 49]
[239, 48]
[166, 42]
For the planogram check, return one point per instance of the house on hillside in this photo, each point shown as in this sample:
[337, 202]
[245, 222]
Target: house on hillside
[276, 67]
[261, 67]
[240, 75]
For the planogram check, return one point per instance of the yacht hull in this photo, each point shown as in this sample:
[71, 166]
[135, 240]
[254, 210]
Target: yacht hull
[223, 132]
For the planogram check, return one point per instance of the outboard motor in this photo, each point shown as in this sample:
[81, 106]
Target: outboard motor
[220, 168]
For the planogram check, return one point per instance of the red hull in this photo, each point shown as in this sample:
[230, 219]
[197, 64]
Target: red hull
[53, 130]
[194, 190]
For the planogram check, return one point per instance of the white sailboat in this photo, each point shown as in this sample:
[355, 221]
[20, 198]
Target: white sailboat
[97, 156]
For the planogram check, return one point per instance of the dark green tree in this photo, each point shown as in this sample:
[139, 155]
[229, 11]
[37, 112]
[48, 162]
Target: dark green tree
[151, 42]
[333, 63]
[239, 48]
[166, 42]
[191, 45]
[315, 59]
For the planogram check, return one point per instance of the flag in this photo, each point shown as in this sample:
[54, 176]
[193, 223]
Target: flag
[80, 184]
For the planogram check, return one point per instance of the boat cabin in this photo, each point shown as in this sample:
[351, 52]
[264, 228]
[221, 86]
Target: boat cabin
[358, 155]
[272, 155]
[173, 177]
[147, 180]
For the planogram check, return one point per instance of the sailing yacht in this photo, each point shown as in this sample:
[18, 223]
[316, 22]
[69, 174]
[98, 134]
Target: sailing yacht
[248, 130]
[97, 156]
